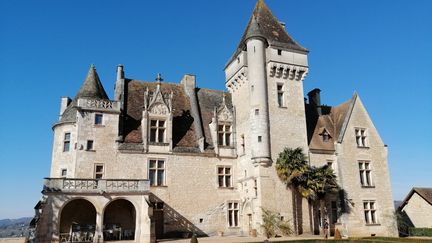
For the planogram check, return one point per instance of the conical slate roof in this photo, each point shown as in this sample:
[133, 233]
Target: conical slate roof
[264, 24]
[92, 87]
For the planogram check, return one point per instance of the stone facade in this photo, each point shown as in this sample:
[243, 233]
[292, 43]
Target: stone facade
[417, 208]
[180, 159]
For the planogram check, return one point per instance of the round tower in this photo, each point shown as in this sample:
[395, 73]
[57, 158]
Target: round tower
[259, 113]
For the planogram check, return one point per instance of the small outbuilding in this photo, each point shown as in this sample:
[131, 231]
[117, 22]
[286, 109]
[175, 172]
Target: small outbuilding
[417, 207]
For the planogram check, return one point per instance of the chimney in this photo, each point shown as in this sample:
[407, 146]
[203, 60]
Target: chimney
[315, 100]
[120, 73]
[65, 101]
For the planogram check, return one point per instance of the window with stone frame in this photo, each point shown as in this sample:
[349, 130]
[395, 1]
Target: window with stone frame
[365, 173]
[99, 171]
[280, 95]
[233, 214]
[224, 176]
[157, 131]
[224, 134]
[361, 137]
[157, 172]
[370, 212]
[89, 145]
[66, 142]
[98, 119]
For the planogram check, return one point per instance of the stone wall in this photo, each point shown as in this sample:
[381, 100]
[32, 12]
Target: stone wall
[419, 211]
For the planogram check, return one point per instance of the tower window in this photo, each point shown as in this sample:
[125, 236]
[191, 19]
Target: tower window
[89, 145]
[224, 134]
[256, 112]
[279, 51]
[157, 131]
[280, 95]
[66, 142]
[259, 139]
[98, 119]
[64, 173]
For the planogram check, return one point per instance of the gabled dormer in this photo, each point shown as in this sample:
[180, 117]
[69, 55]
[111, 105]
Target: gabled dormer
[222, 129]
[157, 119]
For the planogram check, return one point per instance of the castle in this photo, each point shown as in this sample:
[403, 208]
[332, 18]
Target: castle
[165, 159]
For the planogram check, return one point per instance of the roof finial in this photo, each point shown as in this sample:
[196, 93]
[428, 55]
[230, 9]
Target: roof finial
[159, 78]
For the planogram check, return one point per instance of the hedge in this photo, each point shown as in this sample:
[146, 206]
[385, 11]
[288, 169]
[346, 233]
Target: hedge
[420, 231]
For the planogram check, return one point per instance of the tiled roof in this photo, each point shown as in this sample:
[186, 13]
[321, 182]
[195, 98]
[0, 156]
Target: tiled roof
[264, 24]
[92, 87]
[332, 120]
[184, 135]
[425, 193]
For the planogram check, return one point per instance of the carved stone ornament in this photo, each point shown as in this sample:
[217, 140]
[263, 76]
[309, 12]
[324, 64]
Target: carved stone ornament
[225, 115]
[159, 109]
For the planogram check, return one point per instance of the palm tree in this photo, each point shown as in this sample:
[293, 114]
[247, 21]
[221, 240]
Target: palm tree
[310, 182]
[290, 167]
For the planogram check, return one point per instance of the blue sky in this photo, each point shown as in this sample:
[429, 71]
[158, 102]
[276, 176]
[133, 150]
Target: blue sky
[381, 49]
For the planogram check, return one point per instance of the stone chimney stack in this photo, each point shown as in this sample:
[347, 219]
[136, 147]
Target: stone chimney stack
[65, 101]
[315, 100]
[119, 85]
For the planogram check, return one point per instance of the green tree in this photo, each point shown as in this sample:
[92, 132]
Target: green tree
[310, 182]
[290, 167]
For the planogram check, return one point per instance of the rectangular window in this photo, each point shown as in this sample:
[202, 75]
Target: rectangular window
[360, 134]
[224, 134]
[66, 142]
[63, 172]
[233, 214]
[99, 171]
[89, 145]
[157, 172]
[279, 52]
[98, 119]
[370, 212]
[259, 139]
[224, 176]
[280, 95]
[334, 212]
[365, 173]
[157, 131]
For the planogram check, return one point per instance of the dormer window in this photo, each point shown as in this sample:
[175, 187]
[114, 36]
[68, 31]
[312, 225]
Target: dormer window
[224, 134]
[325, 136]
[157, 131]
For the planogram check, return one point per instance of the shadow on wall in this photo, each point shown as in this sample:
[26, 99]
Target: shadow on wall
[179, 226]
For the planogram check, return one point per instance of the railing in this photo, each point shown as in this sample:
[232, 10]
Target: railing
[95, 104]
[95, 185]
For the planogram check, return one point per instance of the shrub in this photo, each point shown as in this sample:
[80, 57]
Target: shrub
[420, 231]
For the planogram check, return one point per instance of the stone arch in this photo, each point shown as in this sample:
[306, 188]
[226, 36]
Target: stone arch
[119, 220]
[77, 220]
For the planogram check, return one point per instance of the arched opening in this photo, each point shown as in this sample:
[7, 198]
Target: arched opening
[119, 221]
[78, 221]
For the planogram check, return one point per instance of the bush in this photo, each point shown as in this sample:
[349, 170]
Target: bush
[420, 231]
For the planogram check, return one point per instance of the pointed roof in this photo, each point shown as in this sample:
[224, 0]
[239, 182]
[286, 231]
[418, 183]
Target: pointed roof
[424, 192]
[92, 87]
[264, 24]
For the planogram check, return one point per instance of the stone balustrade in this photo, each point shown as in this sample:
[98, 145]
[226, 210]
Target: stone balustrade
[74, 185]
[95, 104]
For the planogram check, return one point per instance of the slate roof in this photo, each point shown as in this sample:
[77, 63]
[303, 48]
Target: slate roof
[333, 120]
[264, 24]
[425, 193]
[184, 134]
[91, 88]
